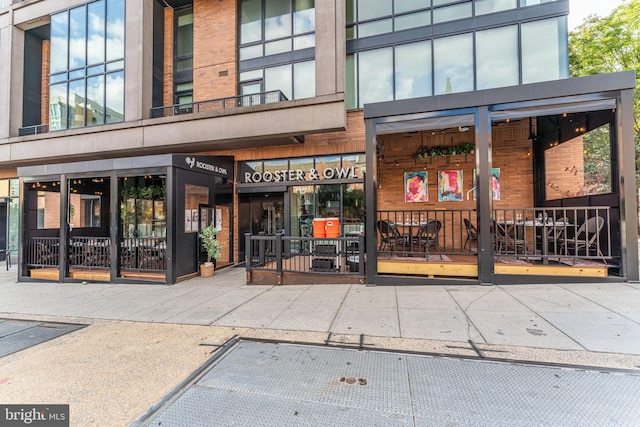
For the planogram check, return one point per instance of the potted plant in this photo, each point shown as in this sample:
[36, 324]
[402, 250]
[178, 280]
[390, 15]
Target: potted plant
[213, 248]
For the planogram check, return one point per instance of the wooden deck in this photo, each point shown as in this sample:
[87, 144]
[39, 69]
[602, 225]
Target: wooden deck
[94, 275]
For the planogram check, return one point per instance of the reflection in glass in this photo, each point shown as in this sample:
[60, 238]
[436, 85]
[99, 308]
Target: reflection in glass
[279, 46]
[450, 13]
[77, 37]
[303, 42]
[351, 85]
[453, 73]
[95, 100]
[489, 6]
[114, 110]
[184, 34]
[413, 70]
[375, 75]
[115, 29]
[304, 79]
[76, 103]
[278, 78]
[58, 106]
[371, 9]
[277, 20]
[304, 16]
[142, 206]
[400, 6]
[541, 51]
[251, 17]
[59, 41]
[412, 21]
[351, 11]
[374, 28]
[250, 52]
[497, 57]
[96, 30]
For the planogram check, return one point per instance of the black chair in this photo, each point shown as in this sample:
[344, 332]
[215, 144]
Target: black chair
[390, 237]
[7, 256]
[427, 236]
[472, 233]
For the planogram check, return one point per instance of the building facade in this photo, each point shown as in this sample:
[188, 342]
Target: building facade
[128, 126]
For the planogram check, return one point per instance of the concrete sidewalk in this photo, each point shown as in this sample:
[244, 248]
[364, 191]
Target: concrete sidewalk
[144, 339]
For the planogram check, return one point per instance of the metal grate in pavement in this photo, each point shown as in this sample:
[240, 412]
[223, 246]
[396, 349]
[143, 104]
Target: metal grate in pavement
[286, 384]
[16, 335]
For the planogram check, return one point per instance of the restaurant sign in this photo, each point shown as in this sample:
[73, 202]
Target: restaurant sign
[301, 175]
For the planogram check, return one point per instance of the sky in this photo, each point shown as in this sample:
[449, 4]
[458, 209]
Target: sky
[580, 9]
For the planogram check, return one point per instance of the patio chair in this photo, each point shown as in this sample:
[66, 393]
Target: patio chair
[390, 237]
[45, 256]
[472, 233]
[585, 240]
[510, 241]
[427, 236]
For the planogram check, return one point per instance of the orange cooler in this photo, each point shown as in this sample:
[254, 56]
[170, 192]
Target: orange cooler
[319, 225]
[333, 227]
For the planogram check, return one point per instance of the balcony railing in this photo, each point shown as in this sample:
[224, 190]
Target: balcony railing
[33, 130]
[219, 104]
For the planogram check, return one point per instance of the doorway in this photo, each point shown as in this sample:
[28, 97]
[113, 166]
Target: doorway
[262, 213]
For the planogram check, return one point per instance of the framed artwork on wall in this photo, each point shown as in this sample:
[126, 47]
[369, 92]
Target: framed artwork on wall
[450, 186]
[495, 184]
[415, 187]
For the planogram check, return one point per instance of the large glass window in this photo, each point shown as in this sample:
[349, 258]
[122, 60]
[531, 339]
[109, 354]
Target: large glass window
[453, 64]
[376, 75]
[497, 57]
[286, 25]
[81, 94]
[490, 6]
[413, 70]
[542, 44]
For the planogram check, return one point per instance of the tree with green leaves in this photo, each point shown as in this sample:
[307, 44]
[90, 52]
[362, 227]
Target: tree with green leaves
[610, 44]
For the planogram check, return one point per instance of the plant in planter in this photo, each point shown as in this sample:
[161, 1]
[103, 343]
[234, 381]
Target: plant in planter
[213, 248]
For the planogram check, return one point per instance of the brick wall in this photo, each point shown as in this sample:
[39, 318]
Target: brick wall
[168, 56]
[214, 49]
[44, 108]
[565, 170]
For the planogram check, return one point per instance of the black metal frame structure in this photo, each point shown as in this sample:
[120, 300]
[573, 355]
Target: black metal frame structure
[576, 94]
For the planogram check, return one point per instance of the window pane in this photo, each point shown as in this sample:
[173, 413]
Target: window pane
[413, 20]
[251, 52]
[497, 57]
[250, 75]
[453, 73]
[450, 13]
[278, 78]
[184, 64]
[375, 75]
[304, 16]
[115, 29]
[184, 34]
[351, 88]
[351, 11]
[96, 28]
[413, 70]
[98, 69]
[59, 42]
[113, 66]
[77, 37]
[58, 106]
[370, 9]
[95, 100]
[304, 79]
[277, 20]
[400, 6]
[375, 28]
[280, 46]
[115, 97]
[540, 51]
[489, 6]
[303, 42]
[76, 103]
[250, 27]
